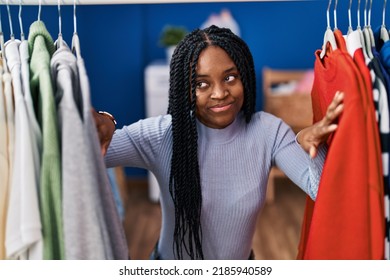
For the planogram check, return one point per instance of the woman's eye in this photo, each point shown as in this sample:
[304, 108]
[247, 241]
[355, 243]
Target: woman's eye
[201, 85]
[230, 78]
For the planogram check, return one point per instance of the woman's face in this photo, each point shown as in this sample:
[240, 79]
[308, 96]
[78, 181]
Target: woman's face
[219, 90]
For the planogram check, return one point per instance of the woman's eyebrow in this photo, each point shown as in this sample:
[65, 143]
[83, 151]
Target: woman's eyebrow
[233, 68]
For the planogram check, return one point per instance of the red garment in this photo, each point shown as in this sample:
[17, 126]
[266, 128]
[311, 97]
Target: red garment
[375, 183]
[341, 223]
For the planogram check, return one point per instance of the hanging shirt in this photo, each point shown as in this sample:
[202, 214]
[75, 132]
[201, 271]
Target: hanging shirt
[384, 130]
[9, 137]
[84, 231]
[117, 238]
[4, 166]
[23, 228]
[348, 207]
[385, 59]
[41, 47]
[377, 122]
[381, 101]
[10, 113]
[36, 250]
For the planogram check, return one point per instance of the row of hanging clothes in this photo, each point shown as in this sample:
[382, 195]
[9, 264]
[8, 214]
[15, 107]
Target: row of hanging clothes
[56, 197]
[350, 217]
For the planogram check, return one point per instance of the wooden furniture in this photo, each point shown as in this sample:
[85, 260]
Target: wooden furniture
[294, 108]
[156, 101]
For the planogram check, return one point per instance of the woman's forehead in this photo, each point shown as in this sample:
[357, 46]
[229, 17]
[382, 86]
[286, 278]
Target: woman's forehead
[213, 58]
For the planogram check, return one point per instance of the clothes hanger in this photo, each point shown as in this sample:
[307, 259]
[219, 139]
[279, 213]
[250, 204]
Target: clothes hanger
[384, 34]
[328, 36]
[75, 37]
[350, 29]
[353, 37]
[20, 21]
[335, 15]
[360, 31]
[2, 43]
[39, 10]
[11, 29]
[358, 27]
[366, 33]
[59, 41]
[4, 66]
[371, 33]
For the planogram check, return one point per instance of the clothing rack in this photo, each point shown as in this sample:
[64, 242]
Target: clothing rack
[112, 2]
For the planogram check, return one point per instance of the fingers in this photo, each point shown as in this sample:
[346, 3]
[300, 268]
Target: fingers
[313, 151]
[328, 129]
[318, 133]
[104, 150]
[335, 108]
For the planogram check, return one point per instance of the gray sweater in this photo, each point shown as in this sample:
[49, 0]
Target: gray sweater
[92, 227]
[234, 167]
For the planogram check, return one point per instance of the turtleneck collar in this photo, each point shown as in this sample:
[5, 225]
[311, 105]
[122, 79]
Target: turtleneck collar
[38, 29]
[223, 135]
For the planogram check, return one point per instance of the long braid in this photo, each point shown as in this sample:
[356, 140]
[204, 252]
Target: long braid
[184, 182]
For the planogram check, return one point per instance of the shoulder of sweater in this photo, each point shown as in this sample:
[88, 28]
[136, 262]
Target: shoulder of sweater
[265, 117]
[265, 122]
[160, 123]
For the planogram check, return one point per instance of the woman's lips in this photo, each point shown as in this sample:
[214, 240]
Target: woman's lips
[220, 108]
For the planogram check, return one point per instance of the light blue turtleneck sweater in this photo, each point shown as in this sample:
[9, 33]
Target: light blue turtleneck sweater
[234, 167]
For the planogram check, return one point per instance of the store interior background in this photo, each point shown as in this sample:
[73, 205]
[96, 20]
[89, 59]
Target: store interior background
[119, 41]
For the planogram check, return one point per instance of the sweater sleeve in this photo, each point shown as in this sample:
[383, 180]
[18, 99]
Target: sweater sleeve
[315, 169]
[138, 145]
[295, 162]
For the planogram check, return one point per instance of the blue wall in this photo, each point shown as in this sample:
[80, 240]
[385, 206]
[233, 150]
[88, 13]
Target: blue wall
[119, 41]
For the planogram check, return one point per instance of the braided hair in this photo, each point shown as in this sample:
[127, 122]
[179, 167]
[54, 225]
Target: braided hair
[184, 181]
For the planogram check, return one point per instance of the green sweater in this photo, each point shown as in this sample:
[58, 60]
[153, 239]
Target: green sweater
[41, 48]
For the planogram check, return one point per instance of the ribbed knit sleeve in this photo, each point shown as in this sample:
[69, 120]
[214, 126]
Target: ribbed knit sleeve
[139, 144]
[294, 161]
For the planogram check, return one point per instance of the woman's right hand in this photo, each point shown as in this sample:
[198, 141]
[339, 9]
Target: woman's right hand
[105, 127]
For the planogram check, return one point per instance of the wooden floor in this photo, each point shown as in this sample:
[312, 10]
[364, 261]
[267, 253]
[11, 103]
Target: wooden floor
[277, 231]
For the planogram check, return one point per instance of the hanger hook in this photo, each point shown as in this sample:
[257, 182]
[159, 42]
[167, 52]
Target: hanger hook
[39, 10]
[358, 15]
[59, 18]
[369, 14]
[365, 13]
[384, 13]
[12, 35]
[1, 26]
[20, 20]
[327, 14]
[335, 14]
[74, 18]
[2, 45]
[349, 16]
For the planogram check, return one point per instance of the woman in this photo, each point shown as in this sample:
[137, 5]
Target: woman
[211, 153]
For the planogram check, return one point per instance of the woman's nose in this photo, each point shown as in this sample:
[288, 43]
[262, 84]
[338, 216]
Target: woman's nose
[219, 92]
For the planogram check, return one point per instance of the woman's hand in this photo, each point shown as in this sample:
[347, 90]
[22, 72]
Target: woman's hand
[311, 137]
[105, 127]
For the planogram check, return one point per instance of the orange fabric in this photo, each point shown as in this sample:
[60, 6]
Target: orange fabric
[375, 183]
[346, 221]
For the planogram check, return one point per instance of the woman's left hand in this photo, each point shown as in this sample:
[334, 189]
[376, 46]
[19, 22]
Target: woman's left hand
[311, 137]
[105, 128]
